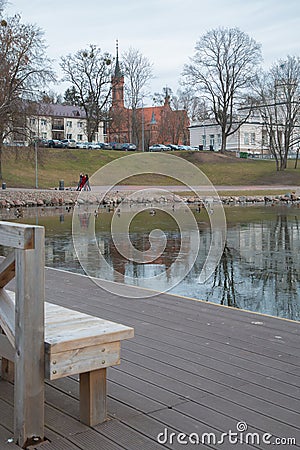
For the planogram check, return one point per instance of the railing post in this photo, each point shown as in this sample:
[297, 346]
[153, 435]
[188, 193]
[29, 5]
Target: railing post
[29, 342]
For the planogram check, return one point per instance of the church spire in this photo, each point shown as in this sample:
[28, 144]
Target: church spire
[117, 83]
[118, 73]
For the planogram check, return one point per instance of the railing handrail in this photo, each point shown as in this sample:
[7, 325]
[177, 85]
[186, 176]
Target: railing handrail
[16, 235]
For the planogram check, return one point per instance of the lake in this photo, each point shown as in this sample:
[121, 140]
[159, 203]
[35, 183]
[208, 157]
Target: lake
[259, 269]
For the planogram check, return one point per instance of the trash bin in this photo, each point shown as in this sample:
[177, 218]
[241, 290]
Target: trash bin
[61, 185]
[3, 185]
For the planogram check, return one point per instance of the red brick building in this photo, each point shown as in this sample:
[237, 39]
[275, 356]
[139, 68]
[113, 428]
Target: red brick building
[147, 125]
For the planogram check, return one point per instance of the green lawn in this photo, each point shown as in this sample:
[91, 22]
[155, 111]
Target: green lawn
[57, 164]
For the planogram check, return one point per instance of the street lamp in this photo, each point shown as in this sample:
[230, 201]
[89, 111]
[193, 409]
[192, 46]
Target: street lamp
[36, 163]
[143, 127]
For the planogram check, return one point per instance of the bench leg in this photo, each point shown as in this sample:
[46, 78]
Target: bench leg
[93, 397]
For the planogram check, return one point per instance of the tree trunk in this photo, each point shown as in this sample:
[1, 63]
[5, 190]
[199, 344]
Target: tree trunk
[297, 156]
[223, 144]
[277, 162]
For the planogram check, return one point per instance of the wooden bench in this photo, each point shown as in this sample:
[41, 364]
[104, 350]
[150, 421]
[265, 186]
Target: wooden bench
[62, 342]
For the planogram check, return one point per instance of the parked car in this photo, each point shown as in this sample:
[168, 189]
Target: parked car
[183, 147]
[158, 148]
[40, 142]
[55, 143]
[82, 144]
[94, 145]
[172, 146]
[70, 143]
[116, 145]
[127, 146]
[105, 145]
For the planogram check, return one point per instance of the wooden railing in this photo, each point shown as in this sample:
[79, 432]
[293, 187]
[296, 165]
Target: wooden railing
[22, 322]
[39, 342]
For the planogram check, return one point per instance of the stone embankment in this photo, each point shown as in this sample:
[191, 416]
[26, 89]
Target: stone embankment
[32, 198]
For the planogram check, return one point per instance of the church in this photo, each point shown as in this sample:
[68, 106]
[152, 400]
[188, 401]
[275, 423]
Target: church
[144, 126]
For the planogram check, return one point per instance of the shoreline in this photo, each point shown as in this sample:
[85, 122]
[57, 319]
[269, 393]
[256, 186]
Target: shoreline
[24, 198]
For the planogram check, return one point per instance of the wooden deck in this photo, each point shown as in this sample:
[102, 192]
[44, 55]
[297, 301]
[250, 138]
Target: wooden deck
[192, 367]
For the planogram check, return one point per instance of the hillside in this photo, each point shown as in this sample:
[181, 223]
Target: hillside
[57, 164]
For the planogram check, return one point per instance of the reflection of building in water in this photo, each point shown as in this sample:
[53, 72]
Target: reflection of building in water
[262, 262]
[253, 241]
[124, 266]
[58, 251]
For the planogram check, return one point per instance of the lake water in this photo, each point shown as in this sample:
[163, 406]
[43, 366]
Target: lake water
[259, 269]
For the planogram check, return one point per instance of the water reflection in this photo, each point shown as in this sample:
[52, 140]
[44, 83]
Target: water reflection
[258, 271]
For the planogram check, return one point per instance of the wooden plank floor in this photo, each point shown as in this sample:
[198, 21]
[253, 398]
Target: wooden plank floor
[192, 367]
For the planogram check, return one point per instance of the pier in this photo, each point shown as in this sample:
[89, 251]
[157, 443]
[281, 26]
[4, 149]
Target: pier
[194, 370]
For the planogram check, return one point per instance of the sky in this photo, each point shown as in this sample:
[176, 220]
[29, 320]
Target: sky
[164, 31]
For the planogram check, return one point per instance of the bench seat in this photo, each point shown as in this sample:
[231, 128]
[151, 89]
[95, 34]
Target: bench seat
[76, 342]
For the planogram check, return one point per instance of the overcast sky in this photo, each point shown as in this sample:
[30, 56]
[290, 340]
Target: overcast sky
[165, 31]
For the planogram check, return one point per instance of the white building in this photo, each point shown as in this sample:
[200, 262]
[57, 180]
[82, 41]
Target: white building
[54, 121]
[251, 137]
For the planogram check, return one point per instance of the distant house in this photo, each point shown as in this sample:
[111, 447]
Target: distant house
[145, 125]
[55, 121]
[251, 137]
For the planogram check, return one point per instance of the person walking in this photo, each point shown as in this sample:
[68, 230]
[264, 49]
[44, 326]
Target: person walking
[79, 182]
[87, 186]
[82, 183]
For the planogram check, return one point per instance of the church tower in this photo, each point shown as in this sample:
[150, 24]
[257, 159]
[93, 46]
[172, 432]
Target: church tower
[117, 84]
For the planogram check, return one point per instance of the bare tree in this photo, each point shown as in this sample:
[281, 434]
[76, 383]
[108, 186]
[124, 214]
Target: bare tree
[137, 72]
[278, 93]
[223, 69]
[23, 66]
[196, 107]
[2, 4]
[89, 72]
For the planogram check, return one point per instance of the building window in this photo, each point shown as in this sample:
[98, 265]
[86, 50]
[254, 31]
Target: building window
[32, 121]
[252, 138]
[219, 140]
[69, 136]
[80, 124]
[204, 141]
[211, 141]
[43, 122]
[246, 138]
[44, 135]
[69, 123]
[79, 137]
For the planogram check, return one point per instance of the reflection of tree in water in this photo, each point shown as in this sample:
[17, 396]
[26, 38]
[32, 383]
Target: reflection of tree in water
[280, 267]
[260, 271]
[224, 278]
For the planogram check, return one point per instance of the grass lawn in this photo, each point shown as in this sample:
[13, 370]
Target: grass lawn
[18, 166]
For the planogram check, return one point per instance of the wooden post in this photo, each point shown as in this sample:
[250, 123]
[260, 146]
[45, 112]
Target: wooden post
[29, 343]
[93, 408]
